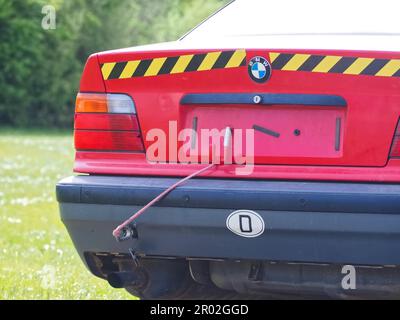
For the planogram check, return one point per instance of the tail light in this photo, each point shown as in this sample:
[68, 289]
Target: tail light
[395, 150]
[106, 122]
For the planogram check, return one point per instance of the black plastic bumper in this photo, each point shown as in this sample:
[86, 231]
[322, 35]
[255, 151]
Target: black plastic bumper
[313, 222]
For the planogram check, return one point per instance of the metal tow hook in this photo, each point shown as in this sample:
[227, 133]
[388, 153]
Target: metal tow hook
[128, 232]
[134, 257]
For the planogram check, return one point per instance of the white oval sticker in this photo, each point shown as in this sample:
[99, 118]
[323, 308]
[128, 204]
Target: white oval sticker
[245, 223]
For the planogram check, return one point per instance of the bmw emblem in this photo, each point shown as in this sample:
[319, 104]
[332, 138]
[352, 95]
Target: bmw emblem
[259, 69]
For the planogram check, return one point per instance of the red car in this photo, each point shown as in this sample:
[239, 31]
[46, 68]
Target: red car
[296, 107]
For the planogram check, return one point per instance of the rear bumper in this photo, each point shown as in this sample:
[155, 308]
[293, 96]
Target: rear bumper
[310, 222]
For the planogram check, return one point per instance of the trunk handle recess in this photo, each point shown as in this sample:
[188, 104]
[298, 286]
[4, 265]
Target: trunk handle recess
[264, 99]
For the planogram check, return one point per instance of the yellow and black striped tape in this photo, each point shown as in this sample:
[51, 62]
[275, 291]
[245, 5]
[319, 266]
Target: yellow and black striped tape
[173, 65]
[335, 64]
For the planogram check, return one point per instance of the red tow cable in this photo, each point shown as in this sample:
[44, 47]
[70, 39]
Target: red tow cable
[118, 230]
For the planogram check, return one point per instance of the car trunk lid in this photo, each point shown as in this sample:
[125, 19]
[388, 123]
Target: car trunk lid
[330, 108]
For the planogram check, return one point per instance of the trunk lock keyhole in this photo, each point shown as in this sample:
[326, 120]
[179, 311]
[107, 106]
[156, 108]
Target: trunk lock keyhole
[296, 132]
[257, 99]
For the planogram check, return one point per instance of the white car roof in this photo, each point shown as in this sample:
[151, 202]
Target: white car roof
[302, 17]
[296, 24]
[303, 24]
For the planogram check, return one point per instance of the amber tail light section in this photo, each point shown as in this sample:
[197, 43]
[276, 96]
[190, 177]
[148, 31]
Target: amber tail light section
[106, 122]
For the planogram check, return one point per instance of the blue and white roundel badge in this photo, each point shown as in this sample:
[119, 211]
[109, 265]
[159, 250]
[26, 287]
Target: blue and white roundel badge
[259, 69]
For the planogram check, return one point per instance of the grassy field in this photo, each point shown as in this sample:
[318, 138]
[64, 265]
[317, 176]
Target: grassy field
[37, 258]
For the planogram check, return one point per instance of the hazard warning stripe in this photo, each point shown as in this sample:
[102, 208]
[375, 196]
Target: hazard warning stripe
[172, 65]
[335, 64]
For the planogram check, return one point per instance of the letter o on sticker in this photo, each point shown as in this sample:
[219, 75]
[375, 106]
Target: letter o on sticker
[245, 223]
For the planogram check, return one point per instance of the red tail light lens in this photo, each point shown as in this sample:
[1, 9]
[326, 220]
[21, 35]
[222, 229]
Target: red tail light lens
[106, 122]
[87, 121]
[395, 150]
[108, 140]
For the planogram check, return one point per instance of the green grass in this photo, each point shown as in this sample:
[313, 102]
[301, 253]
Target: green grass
[37, 258]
